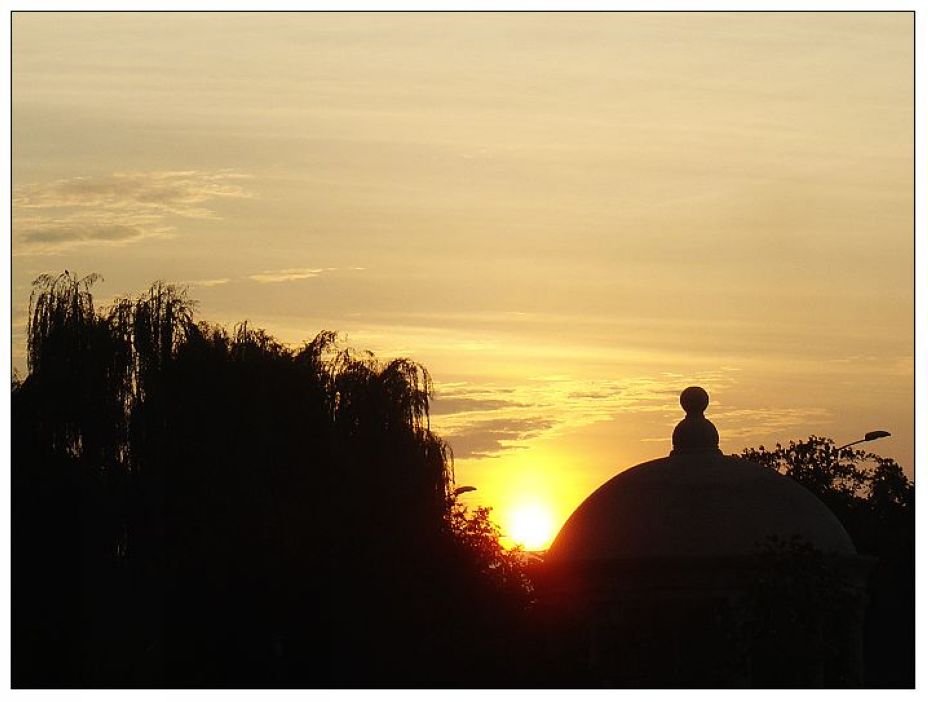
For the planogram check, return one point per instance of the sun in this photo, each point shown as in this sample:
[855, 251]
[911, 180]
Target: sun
[531, 526]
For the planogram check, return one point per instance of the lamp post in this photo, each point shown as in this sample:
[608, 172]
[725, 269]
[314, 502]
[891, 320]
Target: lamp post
[457, 492]
[869, 436]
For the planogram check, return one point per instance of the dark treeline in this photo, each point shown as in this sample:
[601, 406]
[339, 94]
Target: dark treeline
[194, 507]
[875, 501]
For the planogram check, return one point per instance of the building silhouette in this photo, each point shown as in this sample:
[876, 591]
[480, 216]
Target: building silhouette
[703, 570]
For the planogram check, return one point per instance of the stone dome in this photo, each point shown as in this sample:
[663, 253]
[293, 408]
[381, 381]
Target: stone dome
[695, 503]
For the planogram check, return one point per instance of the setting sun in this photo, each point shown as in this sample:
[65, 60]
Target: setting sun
[531, 526]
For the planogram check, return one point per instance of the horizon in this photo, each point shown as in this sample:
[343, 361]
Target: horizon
[567, 220]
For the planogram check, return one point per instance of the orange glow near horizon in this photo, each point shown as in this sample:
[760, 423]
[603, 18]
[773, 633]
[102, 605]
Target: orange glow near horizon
[532, 491]
[567, 218]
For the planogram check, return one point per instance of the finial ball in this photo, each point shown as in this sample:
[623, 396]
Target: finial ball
[694, 400]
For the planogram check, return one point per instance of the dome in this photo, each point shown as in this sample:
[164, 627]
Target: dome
[695, 503]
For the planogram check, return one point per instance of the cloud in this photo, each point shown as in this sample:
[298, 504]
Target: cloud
[54, 233]
[454, 405]
[745, 423]
[485, 421]
[748, 424]
[482, 421]
[163, 192]
[210, 283]
[589, 395]
[491, 437]
[120, 208]
[274, 276]
[286, 275]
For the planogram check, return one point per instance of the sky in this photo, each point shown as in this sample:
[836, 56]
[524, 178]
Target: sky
[567, 218]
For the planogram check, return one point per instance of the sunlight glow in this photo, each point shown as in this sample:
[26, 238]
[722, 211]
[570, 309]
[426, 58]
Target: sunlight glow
[531, 526]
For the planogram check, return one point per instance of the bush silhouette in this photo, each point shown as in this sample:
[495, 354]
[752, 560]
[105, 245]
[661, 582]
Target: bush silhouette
[875, 502]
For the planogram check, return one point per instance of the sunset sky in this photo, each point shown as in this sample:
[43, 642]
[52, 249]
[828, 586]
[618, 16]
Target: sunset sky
[567, 218]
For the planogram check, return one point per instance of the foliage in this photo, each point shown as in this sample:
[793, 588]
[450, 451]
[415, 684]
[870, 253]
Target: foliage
[801, 604]
[479, 538]
[195, 506]
[840, 477]
[875, 501]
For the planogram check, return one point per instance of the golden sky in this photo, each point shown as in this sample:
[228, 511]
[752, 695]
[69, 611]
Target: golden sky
[568, 218]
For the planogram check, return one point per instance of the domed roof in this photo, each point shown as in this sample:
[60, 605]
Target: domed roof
[695, 503]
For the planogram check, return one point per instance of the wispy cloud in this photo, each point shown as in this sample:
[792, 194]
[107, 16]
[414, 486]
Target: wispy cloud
[282, 275]
[456, 405]
[746, 424]
[117, 209]
[285, 275]
[210, 283]
[163, 192]
[482, 421]
[53, 233]
[490, 437]
[37, 232]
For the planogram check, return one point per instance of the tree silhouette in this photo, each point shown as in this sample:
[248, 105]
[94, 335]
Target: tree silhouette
[875, 501]
[199, 507]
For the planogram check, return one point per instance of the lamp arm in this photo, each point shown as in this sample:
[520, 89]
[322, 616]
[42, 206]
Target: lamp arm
[859, 441]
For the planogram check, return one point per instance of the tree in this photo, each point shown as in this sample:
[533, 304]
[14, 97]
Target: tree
[875, 501]
[194, 506]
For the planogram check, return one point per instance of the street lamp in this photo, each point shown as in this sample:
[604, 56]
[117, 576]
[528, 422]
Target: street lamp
[452, 499]
[869, 436]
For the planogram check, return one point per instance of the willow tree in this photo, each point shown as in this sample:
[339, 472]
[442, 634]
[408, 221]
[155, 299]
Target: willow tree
[79, 368]
[251, 508]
